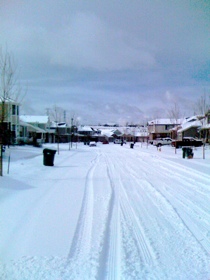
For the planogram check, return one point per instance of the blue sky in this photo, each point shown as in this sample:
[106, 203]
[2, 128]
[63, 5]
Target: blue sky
[109, 61]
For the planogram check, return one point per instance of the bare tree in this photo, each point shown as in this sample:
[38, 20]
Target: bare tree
[10, 92]
[9, 86]
[202, 105]
[56, 114]
[174, 112]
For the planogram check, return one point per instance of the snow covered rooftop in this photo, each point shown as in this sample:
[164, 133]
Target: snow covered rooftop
[84, 128]
[32, 128]
[55, 124]
[164, 121]
[8, 100]
[188, 123]
[34, 119]
[107, 132]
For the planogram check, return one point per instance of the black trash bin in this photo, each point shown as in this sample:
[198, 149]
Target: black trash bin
[131, 145]
[48, 158]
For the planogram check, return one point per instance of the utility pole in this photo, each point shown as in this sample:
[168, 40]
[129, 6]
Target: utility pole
[71, 130]
[64, 116]
[1, 160]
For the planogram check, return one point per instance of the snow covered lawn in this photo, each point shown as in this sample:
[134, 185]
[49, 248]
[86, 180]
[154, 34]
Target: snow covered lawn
[105, 212]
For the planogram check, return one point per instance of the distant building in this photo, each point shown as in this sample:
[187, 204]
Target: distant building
[161, 127]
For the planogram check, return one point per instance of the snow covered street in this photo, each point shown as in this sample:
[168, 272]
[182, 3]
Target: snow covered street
[105, 212]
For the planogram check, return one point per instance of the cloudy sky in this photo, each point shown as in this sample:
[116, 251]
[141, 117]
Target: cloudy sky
[109, 60]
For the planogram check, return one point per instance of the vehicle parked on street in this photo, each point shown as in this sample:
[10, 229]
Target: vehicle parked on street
[162, 141]
[92, 144]
[119, 141]
[187, 142]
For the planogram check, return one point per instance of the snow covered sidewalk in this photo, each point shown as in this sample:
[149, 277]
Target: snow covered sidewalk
[105, 212]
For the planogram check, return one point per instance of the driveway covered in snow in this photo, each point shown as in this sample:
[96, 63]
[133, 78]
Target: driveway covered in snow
[105, 212]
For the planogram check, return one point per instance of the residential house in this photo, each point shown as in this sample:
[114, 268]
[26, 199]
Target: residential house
[110, 125]
[161, 127]
[85, 130]
[60, 132]
[190, 127]
[9, 121]
[84, 133]
[107, 133]
[34, 128]
[205, 129]
[141, 134]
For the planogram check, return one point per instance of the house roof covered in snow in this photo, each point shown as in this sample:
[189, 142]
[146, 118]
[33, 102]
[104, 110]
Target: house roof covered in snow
[55, 124]
[191, 122]
[8, 100]
[107, 132]
[193, 118]
[84, 128]
[32, 128]
[34, 119]
[164, 121]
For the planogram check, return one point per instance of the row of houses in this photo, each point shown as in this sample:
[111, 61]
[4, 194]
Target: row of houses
[19, 129]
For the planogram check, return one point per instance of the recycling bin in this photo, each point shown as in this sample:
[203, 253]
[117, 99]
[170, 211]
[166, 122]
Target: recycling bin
[48, 157]
[131, 145]
[189, 152]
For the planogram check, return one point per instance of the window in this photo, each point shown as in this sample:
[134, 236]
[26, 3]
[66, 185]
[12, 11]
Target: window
[208, 118]
[13, 127]
[13, 109]
[17, 110]
[168, 126]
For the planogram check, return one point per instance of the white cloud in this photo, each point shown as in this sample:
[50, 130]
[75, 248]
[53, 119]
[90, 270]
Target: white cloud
[88, 56]
[88, 42]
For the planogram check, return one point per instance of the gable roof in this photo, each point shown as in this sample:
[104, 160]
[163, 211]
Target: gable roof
[8, 100]
[34, 119]
[188, 123]
[32, 128]
[85, 128]
[164, 121]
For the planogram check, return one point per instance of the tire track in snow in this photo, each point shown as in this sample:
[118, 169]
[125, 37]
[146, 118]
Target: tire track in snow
[184, 212]
[110, 263]
[195, 184]
[147, 252]
[171, 230]
[121, 213]
[82, 238]
[192, 184]
[130, 214]
[178, 170]
[86, 252]
[182, 200]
